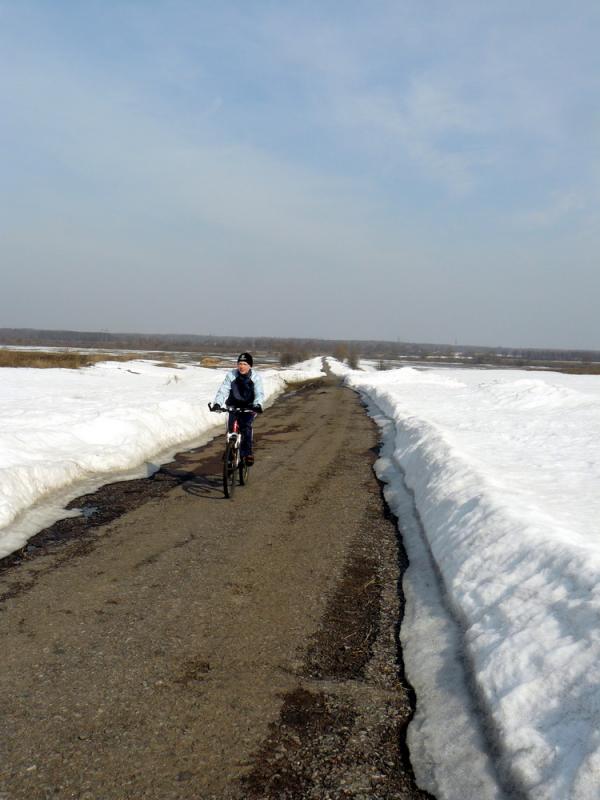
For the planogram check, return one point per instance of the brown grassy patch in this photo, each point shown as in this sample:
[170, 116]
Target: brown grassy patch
[169, 364]
[209, 361]
[65, 360]
[578, 369]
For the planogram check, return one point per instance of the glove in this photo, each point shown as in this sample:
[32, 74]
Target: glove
[215, 407]
[258, 408]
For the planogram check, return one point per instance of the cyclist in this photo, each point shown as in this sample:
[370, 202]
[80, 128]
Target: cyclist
[242, 388]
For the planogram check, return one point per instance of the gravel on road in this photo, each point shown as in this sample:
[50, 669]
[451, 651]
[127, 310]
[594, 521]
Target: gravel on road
[174, 644]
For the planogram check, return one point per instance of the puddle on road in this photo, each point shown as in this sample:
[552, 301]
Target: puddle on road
[89, 511]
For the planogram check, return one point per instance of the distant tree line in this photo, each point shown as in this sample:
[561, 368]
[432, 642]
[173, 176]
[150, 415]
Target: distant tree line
[293, 353]
[292, 350]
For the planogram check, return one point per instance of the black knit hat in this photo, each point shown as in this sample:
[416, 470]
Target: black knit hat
[247, 357]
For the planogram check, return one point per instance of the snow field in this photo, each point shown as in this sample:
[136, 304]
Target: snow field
[504, 467]
[61, 428]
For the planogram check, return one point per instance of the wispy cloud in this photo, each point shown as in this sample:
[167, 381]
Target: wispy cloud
[113, 193]
[387, 147]
[465, 96]
[417, 126]
[560, 207]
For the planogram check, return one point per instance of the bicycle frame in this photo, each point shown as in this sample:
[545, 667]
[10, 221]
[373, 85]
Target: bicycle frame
[234, 435]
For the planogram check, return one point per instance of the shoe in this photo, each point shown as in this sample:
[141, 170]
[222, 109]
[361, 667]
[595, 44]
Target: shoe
[250, 460]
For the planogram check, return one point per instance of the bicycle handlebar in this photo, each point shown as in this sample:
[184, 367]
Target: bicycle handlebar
[223, 409]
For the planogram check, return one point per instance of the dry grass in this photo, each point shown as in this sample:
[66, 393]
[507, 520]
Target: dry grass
[578, 369]
[65, 360]
[209, 361]
[169, 364]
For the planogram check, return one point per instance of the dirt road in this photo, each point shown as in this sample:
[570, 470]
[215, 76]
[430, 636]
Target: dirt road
[195, 647]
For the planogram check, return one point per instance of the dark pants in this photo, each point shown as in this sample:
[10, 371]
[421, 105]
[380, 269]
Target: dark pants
[245, 420]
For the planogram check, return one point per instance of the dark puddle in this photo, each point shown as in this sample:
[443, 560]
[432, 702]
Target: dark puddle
[327, 742]
[313, 728]
[102, 507]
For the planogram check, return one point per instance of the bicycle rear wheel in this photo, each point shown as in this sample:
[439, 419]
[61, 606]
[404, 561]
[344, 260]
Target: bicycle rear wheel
[229, 470]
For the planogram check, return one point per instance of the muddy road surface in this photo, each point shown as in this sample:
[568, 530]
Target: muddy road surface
[174, 644]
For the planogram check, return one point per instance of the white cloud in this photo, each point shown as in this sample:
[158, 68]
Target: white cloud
[561, 206]
[131, 188]
[416, 128]
[386, 147]
[465, 94]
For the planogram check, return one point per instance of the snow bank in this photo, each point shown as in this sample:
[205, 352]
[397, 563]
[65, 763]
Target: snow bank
[504, 469]
[338, 367]
[59, 427]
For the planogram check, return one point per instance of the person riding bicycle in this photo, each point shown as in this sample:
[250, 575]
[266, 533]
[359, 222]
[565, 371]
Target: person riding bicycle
[242, 388]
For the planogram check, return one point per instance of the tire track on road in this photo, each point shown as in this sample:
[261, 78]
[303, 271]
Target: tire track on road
[178, 650]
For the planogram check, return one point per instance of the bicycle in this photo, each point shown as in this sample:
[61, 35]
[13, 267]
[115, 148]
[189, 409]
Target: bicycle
[232, 460]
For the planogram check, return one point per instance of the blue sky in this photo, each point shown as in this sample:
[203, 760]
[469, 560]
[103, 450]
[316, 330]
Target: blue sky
[420, 171]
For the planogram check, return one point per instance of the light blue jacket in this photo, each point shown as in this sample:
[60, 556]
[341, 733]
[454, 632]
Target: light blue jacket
[225, 388]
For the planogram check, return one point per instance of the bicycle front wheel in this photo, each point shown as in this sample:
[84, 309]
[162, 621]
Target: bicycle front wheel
[229, 470]
[243, 472]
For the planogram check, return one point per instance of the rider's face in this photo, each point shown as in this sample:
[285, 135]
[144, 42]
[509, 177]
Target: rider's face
[243, 367]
